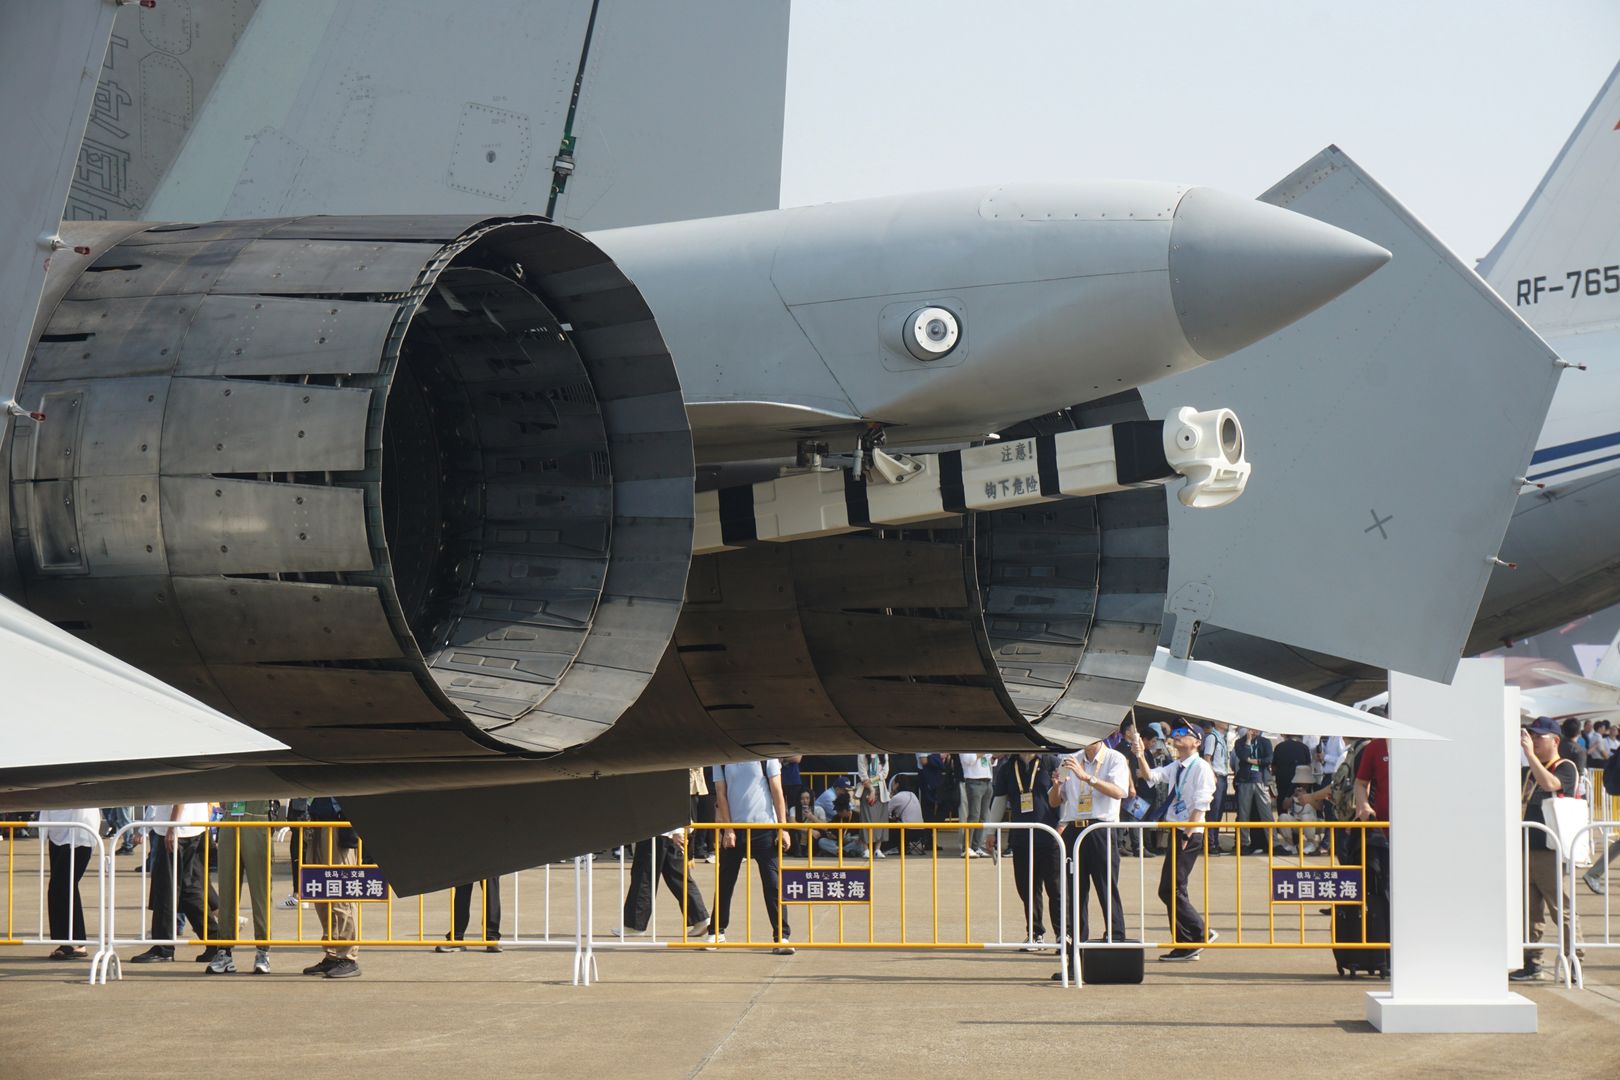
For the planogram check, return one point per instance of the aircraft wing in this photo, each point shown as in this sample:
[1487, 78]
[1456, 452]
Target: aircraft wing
[1211, 692]
[1391, 429]
[70, 703]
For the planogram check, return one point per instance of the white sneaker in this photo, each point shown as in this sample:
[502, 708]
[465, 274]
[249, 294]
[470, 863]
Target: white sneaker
[261, 962]
[971, 853]
[879, 853]
[721, 937]
[289, 901]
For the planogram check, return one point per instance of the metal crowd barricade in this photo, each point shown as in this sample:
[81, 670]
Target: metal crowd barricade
[1301, 936]
[1565, 966]
[42, 934]
[1605, 807]
[848, 882]
[1600, 834]
[313, 846]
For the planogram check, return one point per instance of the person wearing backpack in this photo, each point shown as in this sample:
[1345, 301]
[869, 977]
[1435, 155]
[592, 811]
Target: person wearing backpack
[1547, 775]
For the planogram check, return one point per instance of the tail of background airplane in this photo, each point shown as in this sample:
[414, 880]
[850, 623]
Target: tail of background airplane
[1608, 668]
[1559, 262]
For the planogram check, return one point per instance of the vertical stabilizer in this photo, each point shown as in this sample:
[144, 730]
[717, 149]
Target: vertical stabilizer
[601, 112]
[1559, 262]
[1608, 668]
[1388, 430]
[42, 44]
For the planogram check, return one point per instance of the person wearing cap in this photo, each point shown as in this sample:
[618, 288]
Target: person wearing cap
[829, 841]
[1547, 775]
[824, 801]
[1300, 805]
[1088, 788]
[1192, 789]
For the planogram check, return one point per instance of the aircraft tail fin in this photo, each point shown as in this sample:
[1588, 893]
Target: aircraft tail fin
[1558, 264]
[597, 114]
[1608, 668]
[1378, 502]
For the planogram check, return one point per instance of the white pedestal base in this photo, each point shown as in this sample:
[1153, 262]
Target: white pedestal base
[1511, 1014]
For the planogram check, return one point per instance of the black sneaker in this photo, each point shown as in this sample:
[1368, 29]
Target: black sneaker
[207, 955]
[157, 954]
[1528, 973]
[495, 947]
[343, 969]
[327, 963]
[1181, 955]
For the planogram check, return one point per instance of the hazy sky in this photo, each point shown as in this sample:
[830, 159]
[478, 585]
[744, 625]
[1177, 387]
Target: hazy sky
[1456, 106]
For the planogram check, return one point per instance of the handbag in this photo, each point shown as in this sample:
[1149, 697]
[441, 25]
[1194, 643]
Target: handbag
[1568, 819]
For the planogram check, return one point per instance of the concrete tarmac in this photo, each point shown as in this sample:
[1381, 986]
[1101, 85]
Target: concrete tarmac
[743, 1012]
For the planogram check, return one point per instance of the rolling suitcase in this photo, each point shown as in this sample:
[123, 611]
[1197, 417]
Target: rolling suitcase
[1347, 917]
[1116, 966]
[1347, 927]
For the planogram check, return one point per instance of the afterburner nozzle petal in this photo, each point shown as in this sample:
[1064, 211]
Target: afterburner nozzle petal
[1242, 269]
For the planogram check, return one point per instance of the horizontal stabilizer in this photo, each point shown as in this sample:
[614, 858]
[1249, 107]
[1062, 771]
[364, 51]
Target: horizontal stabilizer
[1389, 431]
[1596, 687]
[1208, 691]
[70, 703]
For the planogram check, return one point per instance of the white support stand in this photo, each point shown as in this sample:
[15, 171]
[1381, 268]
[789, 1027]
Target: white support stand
[1452, 802]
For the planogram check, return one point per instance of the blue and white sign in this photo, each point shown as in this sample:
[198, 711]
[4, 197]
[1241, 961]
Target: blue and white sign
[341, 883]
[1294, 884]
[832, 885]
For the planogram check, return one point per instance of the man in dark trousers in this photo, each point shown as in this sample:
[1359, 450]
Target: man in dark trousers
[750, 793]
[489, 928]
[666, 851]
[1192, 788]
[1252, 764]
[1547, 775]
[1025, 780]
[181, 859]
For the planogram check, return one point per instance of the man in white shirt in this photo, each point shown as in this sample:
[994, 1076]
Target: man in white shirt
[976, 774]
[1093, 783]
[750, 792]
[1192, 788]
[182, 845]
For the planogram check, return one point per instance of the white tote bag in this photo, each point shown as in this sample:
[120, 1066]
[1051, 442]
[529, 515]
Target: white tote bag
[1569, 818]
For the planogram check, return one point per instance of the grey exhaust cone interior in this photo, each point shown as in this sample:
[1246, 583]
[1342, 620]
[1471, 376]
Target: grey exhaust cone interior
[1241, 269]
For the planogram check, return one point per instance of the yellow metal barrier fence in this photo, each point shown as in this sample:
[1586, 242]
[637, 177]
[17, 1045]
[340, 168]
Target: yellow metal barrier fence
[1308, 881]
[72, 914]
[328, 877]
[901, 911]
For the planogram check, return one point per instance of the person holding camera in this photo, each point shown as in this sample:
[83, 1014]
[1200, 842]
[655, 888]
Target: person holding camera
[1192, 788]
[831, 841]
